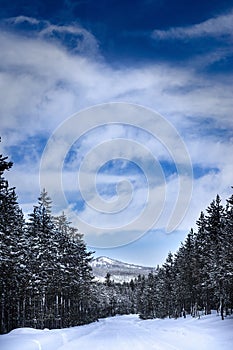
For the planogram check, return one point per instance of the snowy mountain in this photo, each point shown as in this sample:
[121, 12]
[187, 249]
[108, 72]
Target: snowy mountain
[119, 271]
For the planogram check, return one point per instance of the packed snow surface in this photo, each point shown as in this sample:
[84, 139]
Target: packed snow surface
[127, 333]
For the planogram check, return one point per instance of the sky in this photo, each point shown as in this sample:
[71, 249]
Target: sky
[123, 112]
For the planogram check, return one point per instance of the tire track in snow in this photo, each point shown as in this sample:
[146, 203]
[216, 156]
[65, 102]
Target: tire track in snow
[118, 333]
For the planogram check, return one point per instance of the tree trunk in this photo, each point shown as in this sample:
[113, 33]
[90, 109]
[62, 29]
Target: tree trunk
[222, 308]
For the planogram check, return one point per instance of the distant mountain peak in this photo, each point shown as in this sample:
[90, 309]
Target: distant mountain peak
[119, 271]
[105, 259]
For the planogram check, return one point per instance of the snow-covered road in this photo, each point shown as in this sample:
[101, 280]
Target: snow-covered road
[128, 333]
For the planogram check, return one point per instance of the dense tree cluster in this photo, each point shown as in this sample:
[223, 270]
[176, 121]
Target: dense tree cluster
[196, 279]
[46, 278]
[199, 277]
[115, 298]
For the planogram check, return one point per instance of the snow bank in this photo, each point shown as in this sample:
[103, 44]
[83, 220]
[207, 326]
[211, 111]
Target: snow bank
[33, 339]
[127, 332]
[28, 340]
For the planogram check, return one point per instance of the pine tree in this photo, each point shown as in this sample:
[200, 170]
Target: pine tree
[12, 253]
[42, 260]
[169, 285]
[201, 251]
[45, 201]
[214, 228]
[75, 272]
[140, 286]
[226, 255]
[148, 308]
[108, 281]
[4, 165]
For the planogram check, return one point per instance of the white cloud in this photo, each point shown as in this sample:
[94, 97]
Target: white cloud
[42, 84]
[219, 26]
[82, 40]
[21, 19]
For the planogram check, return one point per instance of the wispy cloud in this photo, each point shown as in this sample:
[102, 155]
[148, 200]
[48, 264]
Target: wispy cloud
[78, 38]
[220, 27]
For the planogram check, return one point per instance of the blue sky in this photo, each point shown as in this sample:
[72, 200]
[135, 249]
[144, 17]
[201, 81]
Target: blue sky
[61, 60]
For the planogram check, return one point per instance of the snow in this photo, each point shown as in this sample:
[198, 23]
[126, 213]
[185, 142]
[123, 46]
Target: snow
[104, 260]
[120, 271]
[126, 333]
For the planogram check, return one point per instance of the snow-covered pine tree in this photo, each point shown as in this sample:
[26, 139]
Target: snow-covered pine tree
[214, 227]
[169, 280]
[181, 290]
[12, 254]
[140, 285]
[148, 307]
[42, 261]
[12, 259]
[186, 276]
[4, 165]
[45, 201]
[201, 251]
[76, 291]
[226, 255]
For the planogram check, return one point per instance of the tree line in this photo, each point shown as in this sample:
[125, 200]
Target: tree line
[199, 276]
[196, 279]
[46, 279]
